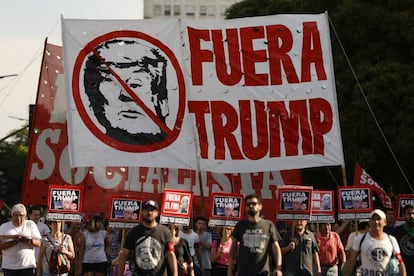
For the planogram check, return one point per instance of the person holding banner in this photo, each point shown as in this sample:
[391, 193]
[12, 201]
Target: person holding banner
[150, 246]
[300, 251]
[18, 237]
[252, 237]
[54, 240]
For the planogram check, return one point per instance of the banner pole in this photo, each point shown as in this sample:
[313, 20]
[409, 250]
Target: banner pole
[200, 182]
[344, 175]
[72, 176]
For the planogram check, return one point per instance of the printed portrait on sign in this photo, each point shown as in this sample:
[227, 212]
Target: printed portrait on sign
[296, 201]
[125, 209]
[355, 199]
[326, 202]
[64, 200]
[184, 204]
[126, 84]
[226, 207]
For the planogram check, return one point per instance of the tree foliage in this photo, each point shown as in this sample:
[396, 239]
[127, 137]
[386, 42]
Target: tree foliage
[372, 45]
[13, 153]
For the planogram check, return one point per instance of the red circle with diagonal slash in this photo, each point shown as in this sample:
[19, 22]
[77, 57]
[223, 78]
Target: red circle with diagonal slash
[86, 51]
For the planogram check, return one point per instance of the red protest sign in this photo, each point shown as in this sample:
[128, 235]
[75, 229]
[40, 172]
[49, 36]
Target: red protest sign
[322, 206]
[354, 202]
[402, 201]
[294, 203]
[226, 209]
[176, 207]
[64, 202]
[124, 211]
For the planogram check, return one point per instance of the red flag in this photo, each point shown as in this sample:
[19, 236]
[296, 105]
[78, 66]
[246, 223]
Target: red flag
[361, 177]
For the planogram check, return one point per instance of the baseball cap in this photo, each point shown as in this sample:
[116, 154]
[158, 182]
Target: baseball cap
[378, 212]
[150, 203]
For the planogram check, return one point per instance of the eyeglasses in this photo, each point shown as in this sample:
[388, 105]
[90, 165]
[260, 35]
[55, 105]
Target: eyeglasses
[251, 203]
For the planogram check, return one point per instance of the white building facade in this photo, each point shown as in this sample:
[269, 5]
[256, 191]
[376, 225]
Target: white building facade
[192, 9]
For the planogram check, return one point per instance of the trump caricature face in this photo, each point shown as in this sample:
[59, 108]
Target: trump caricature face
[126, 85]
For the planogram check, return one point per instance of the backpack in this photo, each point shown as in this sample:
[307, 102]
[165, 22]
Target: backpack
[58, 263]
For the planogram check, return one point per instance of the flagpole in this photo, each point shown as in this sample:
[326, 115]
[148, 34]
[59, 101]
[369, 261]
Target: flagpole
[203, 207]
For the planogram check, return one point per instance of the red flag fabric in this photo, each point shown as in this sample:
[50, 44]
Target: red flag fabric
[48, 162]
[361, 177]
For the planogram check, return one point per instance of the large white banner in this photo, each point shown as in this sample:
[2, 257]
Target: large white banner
[243, 95]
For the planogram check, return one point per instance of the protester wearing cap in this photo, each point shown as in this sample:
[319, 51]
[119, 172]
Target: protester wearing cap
[18, 239]
[375, 249]
[149, 245]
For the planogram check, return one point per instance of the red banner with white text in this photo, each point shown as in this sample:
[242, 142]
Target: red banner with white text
[361, 177]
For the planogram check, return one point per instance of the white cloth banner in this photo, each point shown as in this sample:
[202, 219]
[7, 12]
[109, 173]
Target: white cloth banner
[243, 95]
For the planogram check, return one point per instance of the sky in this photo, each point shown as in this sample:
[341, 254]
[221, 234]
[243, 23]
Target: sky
[24, 27]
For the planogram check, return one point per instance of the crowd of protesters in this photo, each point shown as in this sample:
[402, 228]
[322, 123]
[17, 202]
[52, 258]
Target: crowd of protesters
[255, 246]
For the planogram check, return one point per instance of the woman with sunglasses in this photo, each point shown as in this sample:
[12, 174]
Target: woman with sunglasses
[220, 250]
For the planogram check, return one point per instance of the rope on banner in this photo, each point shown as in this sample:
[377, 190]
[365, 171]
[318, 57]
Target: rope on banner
[369, 107]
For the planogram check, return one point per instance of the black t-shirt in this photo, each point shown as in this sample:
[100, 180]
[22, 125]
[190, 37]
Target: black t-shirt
[182, 251]
[254, 239]
[406, 243]
[148, 247]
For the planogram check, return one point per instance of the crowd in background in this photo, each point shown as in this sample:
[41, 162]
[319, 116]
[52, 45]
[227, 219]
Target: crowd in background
[93, 248]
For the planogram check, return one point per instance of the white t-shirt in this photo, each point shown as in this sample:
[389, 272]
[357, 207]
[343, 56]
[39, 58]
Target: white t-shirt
[375, 254]
[351, 239]
[20, 256]
[192, 238]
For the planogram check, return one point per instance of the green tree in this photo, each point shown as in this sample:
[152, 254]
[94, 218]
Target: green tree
[13, 153]
[378, 39]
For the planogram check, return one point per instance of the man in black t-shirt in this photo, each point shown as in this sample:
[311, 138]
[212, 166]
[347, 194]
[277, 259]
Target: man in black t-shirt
[254, 236]
[405, 236]
[150, 244]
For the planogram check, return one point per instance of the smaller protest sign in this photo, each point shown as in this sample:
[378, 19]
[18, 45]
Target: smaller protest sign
[124, 211]
[402, 201]
[176, 207]
[64, 203]
[64, 199]
[322, 206]
[354, 202]
[294, 203]
[226, 209]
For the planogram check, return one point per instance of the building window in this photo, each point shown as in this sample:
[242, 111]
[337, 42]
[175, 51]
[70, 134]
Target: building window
[210, 11]
[203, 10]
[157, 10]
[177, 10]
[190, 10]
[167, 10]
